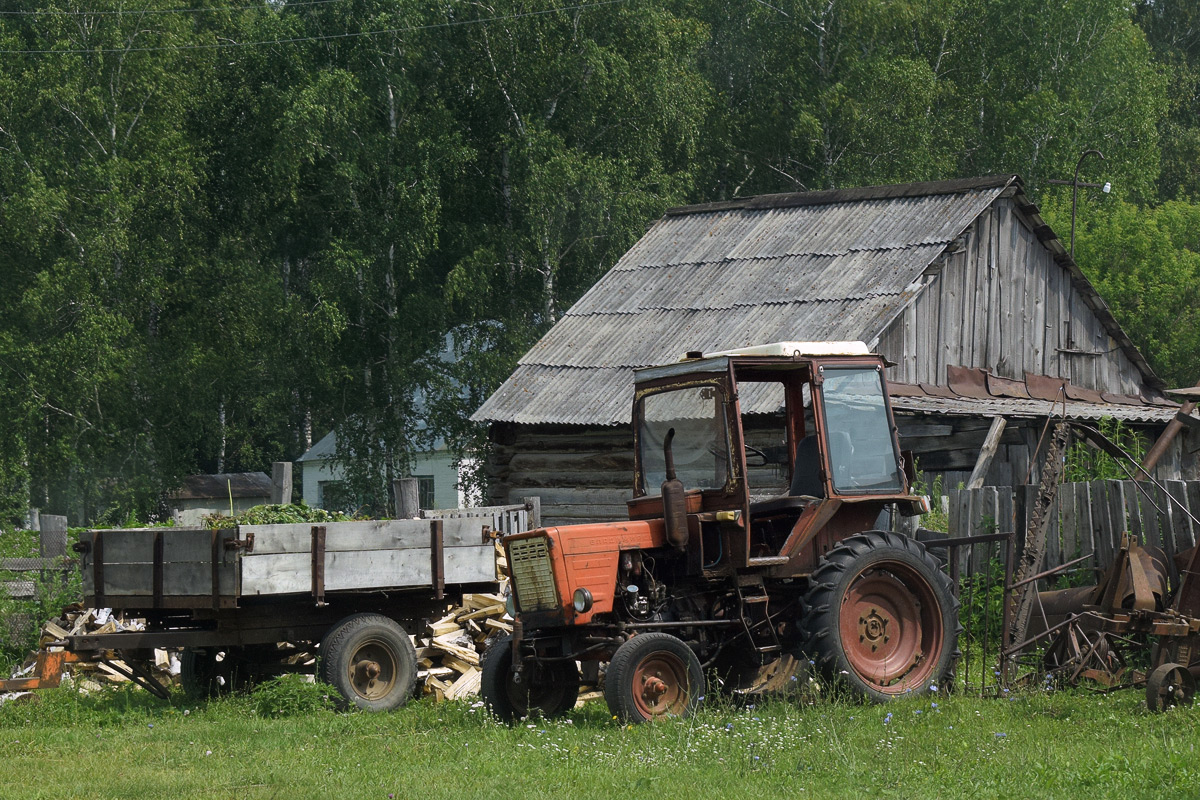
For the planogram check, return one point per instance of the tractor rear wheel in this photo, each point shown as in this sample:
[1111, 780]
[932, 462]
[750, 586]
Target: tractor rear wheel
[653, 675]
[548, 689]
[880, 617]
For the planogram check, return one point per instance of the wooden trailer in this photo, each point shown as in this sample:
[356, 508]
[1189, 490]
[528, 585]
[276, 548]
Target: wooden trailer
[258, 600]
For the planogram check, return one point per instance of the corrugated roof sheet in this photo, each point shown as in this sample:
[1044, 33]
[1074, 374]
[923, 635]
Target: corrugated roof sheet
[815, 266]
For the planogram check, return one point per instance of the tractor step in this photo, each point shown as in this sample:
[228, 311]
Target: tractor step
[767, 561]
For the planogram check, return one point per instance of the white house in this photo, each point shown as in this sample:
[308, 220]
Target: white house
[322, 476]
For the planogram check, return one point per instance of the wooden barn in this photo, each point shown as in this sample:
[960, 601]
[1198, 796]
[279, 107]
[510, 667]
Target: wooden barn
[961, 283]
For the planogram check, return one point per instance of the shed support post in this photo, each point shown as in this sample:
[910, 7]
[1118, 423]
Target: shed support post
[984, 462]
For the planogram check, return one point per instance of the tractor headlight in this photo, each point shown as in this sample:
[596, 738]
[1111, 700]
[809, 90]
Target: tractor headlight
[582, 600]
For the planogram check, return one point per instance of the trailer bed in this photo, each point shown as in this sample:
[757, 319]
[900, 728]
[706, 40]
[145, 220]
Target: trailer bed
[179, 568]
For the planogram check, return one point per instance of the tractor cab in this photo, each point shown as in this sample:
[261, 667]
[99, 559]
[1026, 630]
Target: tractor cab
[774, 449]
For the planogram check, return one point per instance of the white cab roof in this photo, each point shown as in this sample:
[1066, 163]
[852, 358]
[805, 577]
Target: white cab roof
[798, 349]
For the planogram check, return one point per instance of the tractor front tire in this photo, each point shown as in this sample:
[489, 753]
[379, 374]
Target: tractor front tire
[548, 689]
[370, 660]
[880, 618]
[651, 676]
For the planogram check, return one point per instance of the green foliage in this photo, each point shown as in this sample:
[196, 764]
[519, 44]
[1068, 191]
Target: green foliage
[981, 604]
[1086, 463]
[291, 695]
[275, 515]
[937, 519]
[211, 252]
[1145, 261]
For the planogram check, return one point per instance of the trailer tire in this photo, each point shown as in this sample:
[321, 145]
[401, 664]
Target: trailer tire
[370, 660]
[551, 693]
[880, 617]
[651, 676]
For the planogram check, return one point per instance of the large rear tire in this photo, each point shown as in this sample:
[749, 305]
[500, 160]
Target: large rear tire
[651, 676]
[370, 660]
[880, 617]
[548, 689]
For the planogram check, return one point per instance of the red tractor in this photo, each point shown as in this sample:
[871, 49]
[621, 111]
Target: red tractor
[764, 479]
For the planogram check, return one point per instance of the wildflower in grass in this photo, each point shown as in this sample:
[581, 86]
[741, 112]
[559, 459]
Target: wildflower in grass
[888, 718]
[932, 687]
[1001, 735]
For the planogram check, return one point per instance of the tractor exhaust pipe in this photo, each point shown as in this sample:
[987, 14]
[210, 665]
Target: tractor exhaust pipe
[674, 502]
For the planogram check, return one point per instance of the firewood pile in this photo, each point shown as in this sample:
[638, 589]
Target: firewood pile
[448, 654]
[89, 676]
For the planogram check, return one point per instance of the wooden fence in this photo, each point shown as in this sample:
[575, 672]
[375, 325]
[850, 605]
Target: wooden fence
[507, 519]
[1086, 518]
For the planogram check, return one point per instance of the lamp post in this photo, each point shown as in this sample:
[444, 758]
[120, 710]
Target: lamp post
[1106, 187]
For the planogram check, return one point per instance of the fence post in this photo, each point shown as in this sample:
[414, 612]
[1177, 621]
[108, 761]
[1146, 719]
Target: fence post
[534, 506]
[408, 498]
[281, 483]
[52, 543]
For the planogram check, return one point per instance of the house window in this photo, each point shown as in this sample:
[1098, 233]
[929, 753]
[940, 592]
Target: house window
[425, 495]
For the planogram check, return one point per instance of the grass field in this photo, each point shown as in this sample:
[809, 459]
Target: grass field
[126, 744]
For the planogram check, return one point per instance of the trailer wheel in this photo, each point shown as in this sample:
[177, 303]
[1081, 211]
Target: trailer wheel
[653, 675]
[880, 617]
[370, 660]
[549, 689]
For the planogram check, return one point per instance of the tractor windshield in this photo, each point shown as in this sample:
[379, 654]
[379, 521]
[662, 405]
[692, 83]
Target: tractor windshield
[701, 443]
[862, 451]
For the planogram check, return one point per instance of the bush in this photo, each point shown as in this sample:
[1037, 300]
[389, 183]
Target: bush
[290, 695]
[275, 515]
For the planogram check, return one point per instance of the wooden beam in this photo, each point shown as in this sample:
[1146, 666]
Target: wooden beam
[408, 505]
[987, 453]
[281, 483]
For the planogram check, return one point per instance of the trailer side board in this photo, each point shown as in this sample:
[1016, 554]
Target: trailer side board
[365, 555]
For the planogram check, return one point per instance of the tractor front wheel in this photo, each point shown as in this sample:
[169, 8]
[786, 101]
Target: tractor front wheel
[548, 689]
[880, 617]
[653, 675]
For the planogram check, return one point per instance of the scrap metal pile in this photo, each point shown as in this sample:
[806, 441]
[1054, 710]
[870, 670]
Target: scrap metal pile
[1138, 626]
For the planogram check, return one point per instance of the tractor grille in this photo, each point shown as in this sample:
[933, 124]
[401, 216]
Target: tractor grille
[533, 578]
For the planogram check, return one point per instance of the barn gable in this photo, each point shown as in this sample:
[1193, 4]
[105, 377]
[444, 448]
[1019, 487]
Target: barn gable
[950, 273]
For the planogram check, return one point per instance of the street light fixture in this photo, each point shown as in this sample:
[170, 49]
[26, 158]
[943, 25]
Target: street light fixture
[1105, 187]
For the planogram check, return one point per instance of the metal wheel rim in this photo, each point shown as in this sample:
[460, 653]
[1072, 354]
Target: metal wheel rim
[660, 685]
[891, 627]
[1169, 685]
[373, 669]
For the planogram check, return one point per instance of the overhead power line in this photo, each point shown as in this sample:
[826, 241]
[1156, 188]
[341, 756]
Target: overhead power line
[142, 11]
[319, 38]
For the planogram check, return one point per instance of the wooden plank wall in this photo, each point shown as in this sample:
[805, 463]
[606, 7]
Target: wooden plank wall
[1000, 301]
[1086, 518]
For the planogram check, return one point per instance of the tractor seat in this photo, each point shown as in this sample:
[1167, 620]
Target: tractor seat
[806, 485]
[781, 505]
